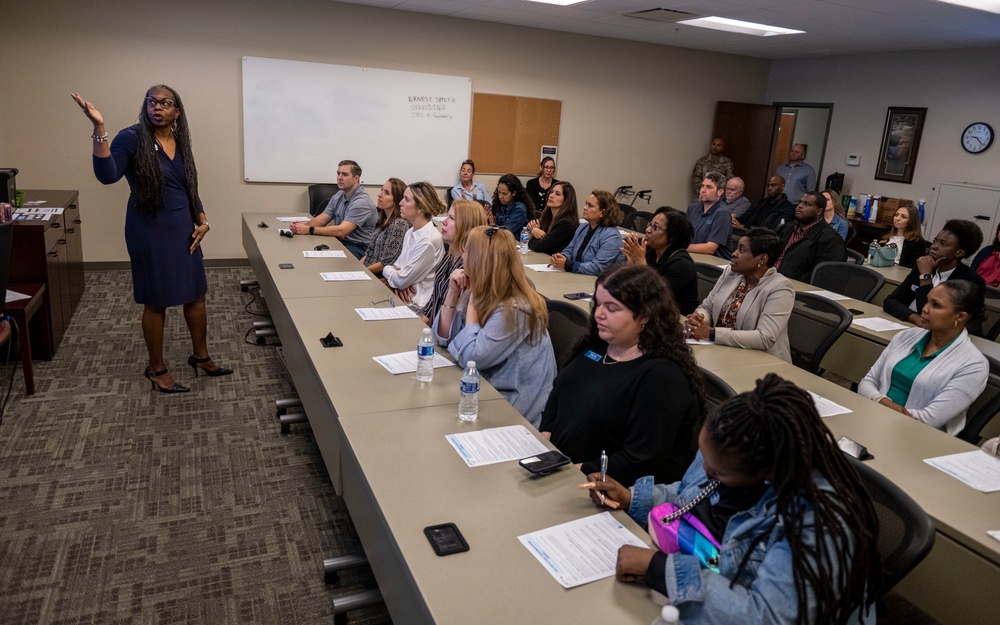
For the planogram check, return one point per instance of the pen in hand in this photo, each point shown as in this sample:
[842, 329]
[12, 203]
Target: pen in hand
[604, 471]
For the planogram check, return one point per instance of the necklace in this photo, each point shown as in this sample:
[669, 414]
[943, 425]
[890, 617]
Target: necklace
[625, 357]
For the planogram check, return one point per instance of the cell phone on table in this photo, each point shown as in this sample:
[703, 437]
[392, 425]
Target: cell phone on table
[580, 295]
[544, 463]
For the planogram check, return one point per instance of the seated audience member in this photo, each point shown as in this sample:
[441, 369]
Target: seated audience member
[750, 305]
[987, 261]
[795, 529]
[538, 187]
[905, 234]
[467, 188]
[350, 215]
[597, 244]
[385, 246]
[664, 248]
[958, 239]
[560, 218]
[463, 216]
[511, 205]
[808, 241]
[771, 212]
[611, 395]
[933, 373]
[412, 275]
[709, 218]
[504, 325]
[834, 213]
[736, 202]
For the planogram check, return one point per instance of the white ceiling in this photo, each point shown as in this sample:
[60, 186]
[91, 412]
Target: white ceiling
[832, 27]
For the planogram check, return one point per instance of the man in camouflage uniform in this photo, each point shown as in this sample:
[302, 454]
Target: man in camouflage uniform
[713, 161]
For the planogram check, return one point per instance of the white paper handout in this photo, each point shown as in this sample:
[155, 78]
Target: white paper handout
[581, 551]
[877, 324]
[978, 469]
[693, 341]
[406, 362]
[382, 314]
[826, 407]
[324, 254]
[345, 276]
[31, 208]
[541, 267]
[13, 296]
[291, 219]
[830, 295]
[494, 445]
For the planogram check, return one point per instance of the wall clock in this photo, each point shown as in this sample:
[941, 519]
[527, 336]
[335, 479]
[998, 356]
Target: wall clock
[977, 138]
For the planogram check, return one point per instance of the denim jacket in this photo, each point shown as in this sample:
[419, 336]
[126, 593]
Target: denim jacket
[604, 249]
[765, 591]
[513, 217]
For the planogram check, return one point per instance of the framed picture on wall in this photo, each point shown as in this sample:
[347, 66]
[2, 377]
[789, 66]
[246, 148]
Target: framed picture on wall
[900, 142]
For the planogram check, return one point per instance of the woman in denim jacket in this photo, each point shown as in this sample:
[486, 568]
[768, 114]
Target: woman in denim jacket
[796, 527]
[597, 244]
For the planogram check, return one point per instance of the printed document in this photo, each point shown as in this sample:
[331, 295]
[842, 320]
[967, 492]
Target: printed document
[406, 362]
[827, 408]
[541, 267]
[877, 324]
[978, 469]
[345, 276]
[324, 254]
[381, 314]
[493, 445]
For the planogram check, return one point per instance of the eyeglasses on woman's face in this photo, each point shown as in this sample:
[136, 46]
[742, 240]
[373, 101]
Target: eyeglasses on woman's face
[166, 103]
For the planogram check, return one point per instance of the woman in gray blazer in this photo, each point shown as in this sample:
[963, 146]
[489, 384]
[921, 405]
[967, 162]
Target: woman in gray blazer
[750, 304]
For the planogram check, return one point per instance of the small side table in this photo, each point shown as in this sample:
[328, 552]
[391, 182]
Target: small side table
[23, 312]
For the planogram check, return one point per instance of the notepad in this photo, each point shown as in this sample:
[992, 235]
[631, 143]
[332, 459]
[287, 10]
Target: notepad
[493, 445]
[324, 254]
[382, 314]
[406, 362]
[344, 276]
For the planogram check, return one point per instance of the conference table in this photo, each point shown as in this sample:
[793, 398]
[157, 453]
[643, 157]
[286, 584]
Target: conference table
[382, 439]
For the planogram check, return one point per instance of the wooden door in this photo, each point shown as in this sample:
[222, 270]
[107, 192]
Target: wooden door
[749, 131]
[783, 141]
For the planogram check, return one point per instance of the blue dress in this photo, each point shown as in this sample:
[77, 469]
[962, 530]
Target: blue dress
[164, 272]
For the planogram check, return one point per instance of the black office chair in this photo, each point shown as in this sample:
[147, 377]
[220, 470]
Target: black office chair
[717, 391]
[991, 324]
[626, 210]
[815, 323]
[708, 275]
[637, 220]
[985, 408]
[319, 195]
[905, 532]
[851, 233]
[856, 257]
[848, 279]
[568, 324]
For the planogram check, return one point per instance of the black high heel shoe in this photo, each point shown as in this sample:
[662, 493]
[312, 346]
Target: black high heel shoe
[173, 388]
[194, 362]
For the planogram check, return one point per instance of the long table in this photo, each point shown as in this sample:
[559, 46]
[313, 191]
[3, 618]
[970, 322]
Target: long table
[382, 440]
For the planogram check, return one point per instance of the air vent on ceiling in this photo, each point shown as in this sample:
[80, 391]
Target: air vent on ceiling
[661, 15]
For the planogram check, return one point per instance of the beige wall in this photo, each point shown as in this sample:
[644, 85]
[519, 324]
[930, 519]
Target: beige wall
[957, 87]
[632, 113]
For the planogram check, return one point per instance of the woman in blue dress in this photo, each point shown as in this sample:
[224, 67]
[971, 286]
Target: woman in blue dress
[164, 224]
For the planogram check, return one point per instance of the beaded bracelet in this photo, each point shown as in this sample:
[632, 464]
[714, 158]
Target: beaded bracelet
[99, 138]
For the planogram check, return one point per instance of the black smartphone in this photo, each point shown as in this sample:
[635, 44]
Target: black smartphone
[856, 312]
[286, 266]
[446, 539]
[543, 464]
[580, 295]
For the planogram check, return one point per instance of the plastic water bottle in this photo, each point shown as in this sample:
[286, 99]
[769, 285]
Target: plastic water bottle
[425, 357]
[920, 208]
[669, 615]
[468, 400]
[525, 235]
[871, 251]
[874, 214]
[867, 214]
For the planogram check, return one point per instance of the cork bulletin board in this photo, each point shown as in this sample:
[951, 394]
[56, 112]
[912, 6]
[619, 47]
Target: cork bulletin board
[508, 132]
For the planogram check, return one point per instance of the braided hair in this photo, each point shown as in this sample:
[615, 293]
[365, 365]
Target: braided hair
[775, 427]
[148, 179]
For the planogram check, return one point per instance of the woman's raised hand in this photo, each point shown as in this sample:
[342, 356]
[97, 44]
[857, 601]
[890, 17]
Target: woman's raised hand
[458, 281]
[634, 249]
[88, 109]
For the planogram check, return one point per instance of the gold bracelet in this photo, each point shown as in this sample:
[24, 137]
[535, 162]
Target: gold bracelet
[447, 306]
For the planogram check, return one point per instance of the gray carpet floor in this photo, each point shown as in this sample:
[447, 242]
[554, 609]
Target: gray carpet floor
[122, 505]
[119, 505]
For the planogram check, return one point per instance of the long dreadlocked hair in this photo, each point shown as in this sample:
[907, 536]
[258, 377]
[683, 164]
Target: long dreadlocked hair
[148, 181]
[776, 427]
[645, 294]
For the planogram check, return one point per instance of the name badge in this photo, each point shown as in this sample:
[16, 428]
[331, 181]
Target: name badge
[593, 355]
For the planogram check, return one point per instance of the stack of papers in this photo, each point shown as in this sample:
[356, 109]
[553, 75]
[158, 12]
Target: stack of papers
[494, 445]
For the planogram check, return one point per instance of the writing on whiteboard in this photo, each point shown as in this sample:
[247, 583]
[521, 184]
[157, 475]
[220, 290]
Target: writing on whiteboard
[431, 107]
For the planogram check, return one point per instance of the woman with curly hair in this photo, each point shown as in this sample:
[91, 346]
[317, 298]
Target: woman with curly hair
[511, 204]
[795, 531]
[165, 223]
[611, 396]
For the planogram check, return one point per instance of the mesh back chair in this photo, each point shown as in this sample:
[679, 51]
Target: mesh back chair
[905, 532]
[815, 323]
[851, 233]
[848, 279]
[856, 257]
[991, 324]
[568, 323]
[985, 408]
[708, 275]
[717, 391]
[626, 210]
[637, 220]
[319, 195]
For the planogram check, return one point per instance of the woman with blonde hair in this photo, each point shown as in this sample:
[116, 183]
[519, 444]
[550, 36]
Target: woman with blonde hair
[412, 275]
[493, 315]
[463, 216]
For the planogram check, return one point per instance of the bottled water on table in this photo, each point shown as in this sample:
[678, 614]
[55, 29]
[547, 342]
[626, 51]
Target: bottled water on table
[525, 236]
[425, 357]
[468, 400]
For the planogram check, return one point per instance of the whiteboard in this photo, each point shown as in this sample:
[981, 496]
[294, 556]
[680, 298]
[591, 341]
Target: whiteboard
[300, 119]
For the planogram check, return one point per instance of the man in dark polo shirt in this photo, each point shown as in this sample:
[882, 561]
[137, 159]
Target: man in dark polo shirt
[808, 241]
[709, 219]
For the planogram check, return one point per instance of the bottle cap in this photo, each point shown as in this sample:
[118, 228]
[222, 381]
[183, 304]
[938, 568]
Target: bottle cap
[670, 614]
[426, 330]
[470, 364]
